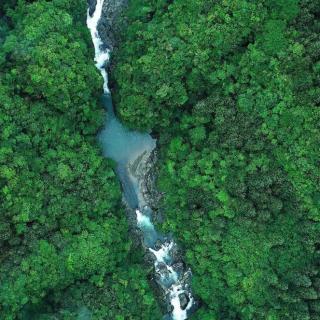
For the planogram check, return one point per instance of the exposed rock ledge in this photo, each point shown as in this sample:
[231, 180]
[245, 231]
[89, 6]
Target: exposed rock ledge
[109, 24]
[92, 6]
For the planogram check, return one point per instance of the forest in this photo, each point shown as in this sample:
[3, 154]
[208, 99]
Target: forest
[231, 89]
[64, 246]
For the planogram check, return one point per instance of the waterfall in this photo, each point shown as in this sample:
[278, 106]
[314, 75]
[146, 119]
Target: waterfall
[102, 56]
[125, 147]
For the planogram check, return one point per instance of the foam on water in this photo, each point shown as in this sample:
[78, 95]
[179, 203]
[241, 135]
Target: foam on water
[143, 221]
[102, 56]
[163, 254]
[178, 313]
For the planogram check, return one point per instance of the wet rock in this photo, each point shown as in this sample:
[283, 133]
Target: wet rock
[162, 282]
[164, 272]
[185, 279]
[162, 267]
[164, 279]
[132, 217]
[169, 310]
[151, 194]
[175, 254]
[178, 267]
[109, 25]
[92, 6]
[149, 258]
[184, 300]
[158, 245]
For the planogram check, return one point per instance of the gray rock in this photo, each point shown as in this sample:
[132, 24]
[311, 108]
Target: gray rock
[162, 268]
[184, 300]
[149, 258]
[92, 6]
[169, 310]
[109, 25]
[158, 245]
[151, 194]
[175, 254]
[179, 268]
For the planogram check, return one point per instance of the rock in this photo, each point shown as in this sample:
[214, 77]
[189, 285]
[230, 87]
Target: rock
[158, 245]
[179, 268]
[175, 254]
[169, 310]
[109, 25]
[187, 277]
[92, 6]
[149, 257]
[184, 300]
[151, 194]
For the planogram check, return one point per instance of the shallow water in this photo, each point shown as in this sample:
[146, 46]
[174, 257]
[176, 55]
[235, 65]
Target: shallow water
[120, 144]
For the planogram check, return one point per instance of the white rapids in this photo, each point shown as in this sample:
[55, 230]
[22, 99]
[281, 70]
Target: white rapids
[102, 56]
[131, 146]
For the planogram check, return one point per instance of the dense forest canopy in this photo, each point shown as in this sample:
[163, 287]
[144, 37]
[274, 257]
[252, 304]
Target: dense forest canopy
[63, 233]
[232, 90]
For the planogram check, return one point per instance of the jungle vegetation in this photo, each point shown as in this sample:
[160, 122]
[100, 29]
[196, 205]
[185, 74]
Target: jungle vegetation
[64, 245]
[231, 89]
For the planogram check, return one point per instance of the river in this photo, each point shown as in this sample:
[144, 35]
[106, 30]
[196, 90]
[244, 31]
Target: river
[126, 148]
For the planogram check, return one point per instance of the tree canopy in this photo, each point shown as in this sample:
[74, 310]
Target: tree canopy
[63, 231]
[231, 89]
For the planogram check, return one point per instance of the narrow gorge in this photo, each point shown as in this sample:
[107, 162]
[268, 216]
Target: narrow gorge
[132, 152]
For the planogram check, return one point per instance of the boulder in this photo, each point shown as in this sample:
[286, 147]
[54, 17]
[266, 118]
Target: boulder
[179, 268]
[184, 300]
[109, 25]
[92, 6]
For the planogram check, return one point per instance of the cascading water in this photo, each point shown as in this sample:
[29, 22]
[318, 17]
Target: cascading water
[125, 147]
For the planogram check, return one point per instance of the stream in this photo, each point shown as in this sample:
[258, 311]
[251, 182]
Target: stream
[130, 149]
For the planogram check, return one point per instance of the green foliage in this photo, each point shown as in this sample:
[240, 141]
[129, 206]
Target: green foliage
[61, 221]
[231, 88]
[123, 295]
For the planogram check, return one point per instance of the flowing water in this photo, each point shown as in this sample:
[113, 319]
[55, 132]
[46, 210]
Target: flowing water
[125, 147]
